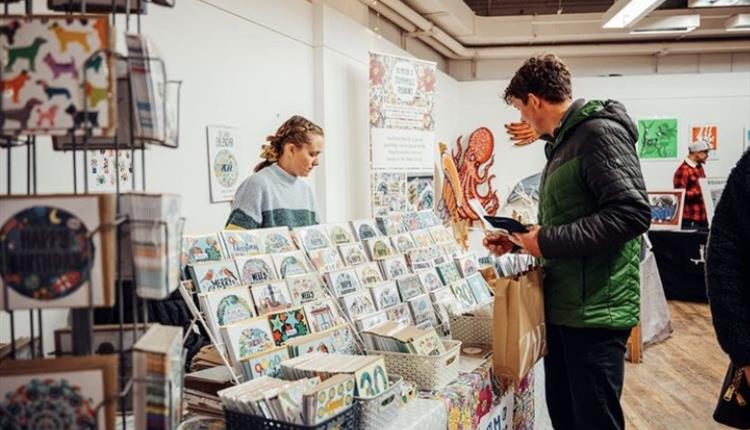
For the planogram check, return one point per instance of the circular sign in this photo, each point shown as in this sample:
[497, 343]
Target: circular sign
[46, 253]
[225, 168]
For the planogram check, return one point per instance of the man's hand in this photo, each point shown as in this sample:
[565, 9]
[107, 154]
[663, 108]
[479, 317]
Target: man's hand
[528, 241]
[497, 243]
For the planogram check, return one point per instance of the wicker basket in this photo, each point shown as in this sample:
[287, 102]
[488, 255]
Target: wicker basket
[430, 372]
[380, 411]
[347, 420]
[470, 329]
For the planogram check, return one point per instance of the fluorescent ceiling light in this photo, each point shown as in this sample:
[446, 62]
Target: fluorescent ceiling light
[718, 3]
[739, 22]
[667, 24]
[625, 13]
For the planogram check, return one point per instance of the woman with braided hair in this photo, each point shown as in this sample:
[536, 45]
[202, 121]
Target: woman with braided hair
[275, 195]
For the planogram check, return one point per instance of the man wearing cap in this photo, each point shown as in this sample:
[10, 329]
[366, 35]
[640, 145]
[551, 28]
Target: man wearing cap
[686, 177]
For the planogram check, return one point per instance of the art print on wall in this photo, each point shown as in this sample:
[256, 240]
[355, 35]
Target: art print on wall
[666, 209]
[711, 189]
[43, 75]
[705, 133]
[105, 168]
[420, 190]
[388, 193]
[657, 139]
[223, 162]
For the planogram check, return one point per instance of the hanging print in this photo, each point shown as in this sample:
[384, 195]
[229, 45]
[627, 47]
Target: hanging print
[223, 164]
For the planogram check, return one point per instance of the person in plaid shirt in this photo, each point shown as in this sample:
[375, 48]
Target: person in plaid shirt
[686, 177]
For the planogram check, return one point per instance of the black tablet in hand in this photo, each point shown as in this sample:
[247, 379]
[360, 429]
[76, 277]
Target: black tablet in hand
[508, 224]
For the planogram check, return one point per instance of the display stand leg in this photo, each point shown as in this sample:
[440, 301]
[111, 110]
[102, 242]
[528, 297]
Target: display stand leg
[83, 320]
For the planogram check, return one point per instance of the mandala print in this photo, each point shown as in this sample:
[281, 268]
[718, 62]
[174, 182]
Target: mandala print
[47, 405]
[225, 168]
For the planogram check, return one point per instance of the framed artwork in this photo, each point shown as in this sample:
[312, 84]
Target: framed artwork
[256, 269]
[368, 273]
[365, 229]
[343, 282]
[420, 190]
[275, 240]
[326, 260]
[358, 304]
[322, 315]
[271, 297]
[223, 165]
[201, 248]
[46, 56]
[340, 233]
[400, 313]
[247, 338]
[711, 189]
[62, 392]
[214, 275]
[49, 254]
[429, 279]
[657, 139]
[305, 288]
[238, 243]
[666, 209]
[290, 263]
[409, 286]
[385, 295]
[379, 248]
[313, 237]
[706, 133]
[353, 254]
[287, 325]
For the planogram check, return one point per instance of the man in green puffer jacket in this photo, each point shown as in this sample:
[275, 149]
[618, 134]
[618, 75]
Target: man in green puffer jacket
[592, 211]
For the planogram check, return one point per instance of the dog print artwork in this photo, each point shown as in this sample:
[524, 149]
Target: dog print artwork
[52, 64]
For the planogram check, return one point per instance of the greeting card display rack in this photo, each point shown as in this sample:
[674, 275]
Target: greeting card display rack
[83, 319]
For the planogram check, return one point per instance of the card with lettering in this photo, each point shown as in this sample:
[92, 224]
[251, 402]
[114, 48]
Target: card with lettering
[305, 288]
[343, 282]
[369, 273]
[201, 248]
[379, 248]
[241, 242]
[340, 233]
[353, 254]
[403, 242]
[257, 269]
[394, 267]
[214, 275]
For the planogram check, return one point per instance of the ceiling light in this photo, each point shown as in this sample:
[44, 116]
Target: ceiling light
[717, 3]
[739, 22]
[667, 24]
[625, 13]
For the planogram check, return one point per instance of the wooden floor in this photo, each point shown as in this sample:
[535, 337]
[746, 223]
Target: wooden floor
[677, 384]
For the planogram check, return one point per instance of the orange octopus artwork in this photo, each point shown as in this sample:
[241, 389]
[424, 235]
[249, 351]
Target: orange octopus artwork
[472, 165]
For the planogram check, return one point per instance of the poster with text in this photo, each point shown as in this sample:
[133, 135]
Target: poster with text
[706, 133]
[388, 193]
[402, 127]
[105, 167]
[223, 165]
[657, 139]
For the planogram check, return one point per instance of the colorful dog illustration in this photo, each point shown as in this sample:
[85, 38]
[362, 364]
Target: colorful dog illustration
[79, 117]
[21, 115]
[60, 68]
[101, 29]
[14, 85]
[9, 31]
[29, 53]
[95, 94]
[48, 116]
[94, 63]
[53, 91]
[66, 36]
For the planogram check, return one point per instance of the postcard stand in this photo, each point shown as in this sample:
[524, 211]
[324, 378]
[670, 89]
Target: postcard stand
[83, 318]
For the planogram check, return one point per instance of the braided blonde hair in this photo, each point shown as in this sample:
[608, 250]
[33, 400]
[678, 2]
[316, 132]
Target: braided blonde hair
[296, 130]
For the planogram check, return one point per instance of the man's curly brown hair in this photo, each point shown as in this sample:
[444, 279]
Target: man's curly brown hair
[545, 76]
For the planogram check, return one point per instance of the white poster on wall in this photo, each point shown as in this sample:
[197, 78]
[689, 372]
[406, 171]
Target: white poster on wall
[402, 127]
[223, 165]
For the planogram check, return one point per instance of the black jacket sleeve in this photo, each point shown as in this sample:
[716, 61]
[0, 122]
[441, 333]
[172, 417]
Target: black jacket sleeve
[728, 265]
[612, 173]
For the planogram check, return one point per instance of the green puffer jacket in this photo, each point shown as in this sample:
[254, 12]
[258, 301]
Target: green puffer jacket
[593, 209]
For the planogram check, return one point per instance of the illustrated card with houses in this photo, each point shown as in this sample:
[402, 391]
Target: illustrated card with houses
[290, 263]
[409, 286]
[228, 306]
[448, 272]
[394, 267]
[385, 294]
[313, 237]
[353, 253]
[400, 313]
[450, 250]
[53, 64]
[463, 293]
[358, 304]
[365, 229]
[371, 320]
[256, 269]
[372, 379]
[201, 248]
[264, 363]
[412, 221]
[479, 288]
[439, 256]
[388, 192]
[343, 282]
[247, 338]
[275, 240]
[369, 273]
[288, 324]
[326, 260]
[403, 242]
[391, 224]
[271, 297]
[322, 315]
[429, 279]
[214, 275]
[305, 288]
[379, 248]
[421, 259]
[421, 309]
[340, 233]
[467, 264]
[241, 242]
[422, 238]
